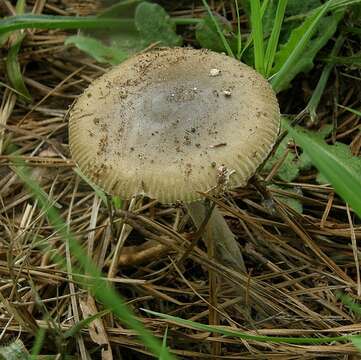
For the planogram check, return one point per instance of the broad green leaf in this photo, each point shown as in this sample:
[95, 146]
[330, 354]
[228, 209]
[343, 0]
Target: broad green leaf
[289, 169]
[207, 35]
[151, 25]
[155, 25]
[123, 8]
[355, 16]
[292, 202]
[305, 161]
[130, 43]
[292, 165]
[94, 48]
[336, 163]
[296, 12]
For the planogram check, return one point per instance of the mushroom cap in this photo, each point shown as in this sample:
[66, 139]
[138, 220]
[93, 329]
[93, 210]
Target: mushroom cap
[165, 124]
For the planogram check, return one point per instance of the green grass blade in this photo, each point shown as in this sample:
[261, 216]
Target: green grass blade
[38, 344]
[63, 22]
[354, 60]
[185, 21]
[82, 324]
[296, 48]
[275, 34]
[356, 112]
[312, 105]
[250, 37]
[353, 30]
[257, 35]
[13, 68]
[99, 192]
[356, 308]
[356, 341]
[235, 333]
[219, 30]
[341, 169]
[342, 4]
[117, 202]
[20, 7]
[164, 343]
[94, 282]
[10, 88]
[349, 302]
[239, 34]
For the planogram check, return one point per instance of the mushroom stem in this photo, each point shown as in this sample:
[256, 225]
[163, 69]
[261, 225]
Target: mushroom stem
[226, 247]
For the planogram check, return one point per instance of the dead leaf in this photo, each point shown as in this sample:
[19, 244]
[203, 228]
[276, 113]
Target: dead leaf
[96, 328]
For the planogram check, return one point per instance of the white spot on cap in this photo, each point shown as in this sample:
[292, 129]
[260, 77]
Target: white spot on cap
[214, 72]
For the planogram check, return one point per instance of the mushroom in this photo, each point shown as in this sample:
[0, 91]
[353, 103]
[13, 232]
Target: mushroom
[172, 123]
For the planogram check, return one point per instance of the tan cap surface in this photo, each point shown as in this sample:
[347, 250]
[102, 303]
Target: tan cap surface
[163, 122]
